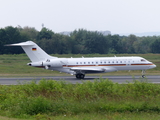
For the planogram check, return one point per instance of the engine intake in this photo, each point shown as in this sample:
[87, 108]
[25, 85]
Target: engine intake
[35, 64]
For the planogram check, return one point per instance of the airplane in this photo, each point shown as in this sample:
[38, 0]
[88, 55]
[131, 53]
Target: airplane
[81, 66]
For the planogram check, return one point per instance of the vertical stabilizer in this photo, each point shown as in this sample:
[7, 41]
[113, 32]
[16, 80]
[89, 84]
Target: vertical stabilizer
[33, 51]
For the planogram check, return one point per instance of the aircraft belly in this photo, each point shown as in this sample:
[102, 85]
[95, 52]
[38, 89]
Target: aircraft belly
[133, 67]
[140, 67]
[89, 72]
[65, 70]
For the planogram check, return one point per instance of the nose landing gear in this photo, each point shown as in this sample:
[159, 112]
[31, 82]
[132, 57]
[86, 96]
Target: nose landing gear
[143, 73]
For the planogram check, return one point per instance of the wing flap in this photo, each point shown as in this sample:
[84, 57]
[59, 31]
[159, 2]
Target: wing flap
[93, 69]
[86, 69]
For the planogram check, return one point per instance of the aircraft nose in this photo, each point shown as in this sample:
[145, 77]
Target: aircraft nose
[152, 66]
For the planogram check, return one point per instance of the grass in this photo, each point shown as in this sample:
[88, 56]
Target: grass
[62, 100]
[94, 116]
[16, 65]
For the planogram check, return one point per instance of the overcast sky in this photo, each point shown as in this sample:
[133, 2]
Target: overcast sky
[117, 16]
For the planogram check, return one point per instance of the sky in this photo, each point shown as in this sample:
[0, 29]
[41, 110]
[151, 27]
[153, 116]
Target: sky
[117, 16]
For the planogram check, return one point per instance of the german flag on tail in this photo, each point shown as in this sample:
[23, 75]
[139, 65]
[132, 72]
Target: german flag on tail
[34, 49]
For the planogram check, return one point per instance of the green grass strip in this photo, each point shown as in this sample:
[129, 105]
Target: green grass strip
[62, 98]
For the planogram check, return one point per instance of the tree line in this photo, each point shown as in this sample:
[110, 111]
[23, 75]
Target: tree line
[79, 41]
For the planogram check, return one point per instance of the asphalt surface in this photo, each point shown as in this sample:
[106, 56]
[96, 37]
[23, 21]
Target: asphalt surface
[72, 79]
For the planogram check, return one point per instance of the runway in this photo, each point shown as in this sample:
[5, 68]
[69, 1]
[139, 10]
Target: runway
[72, 79]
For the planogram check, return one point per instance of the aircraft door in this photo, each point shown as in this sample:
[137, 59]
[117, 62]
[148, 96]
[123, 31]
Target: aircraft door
[128, 63]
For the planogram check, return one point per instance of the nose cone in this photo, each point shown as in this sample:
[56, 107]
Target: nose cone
[152, 66]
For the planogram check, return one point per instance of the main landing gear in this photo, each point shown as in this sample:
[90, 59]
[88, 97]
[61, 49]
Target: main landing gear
[143, 73]
[80, 76]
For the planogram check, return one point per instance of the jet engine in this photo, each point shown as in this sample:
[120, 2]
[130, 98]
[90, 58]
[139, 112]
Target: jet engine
[54, 63]
[35, 64]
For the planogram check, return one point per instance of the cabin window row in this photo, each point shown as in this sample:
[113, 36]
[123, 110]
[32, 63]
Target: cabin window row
[109, 62]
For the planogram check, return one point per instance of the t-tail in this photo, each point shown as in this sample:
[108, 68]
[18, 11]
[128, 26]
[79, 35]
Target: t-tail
[33, 51]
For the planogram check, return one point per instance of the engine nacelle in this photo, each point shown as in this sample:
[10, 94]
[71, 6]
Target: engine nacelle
[52, 63]
[55, 62]
[49, 63]
[35, 64]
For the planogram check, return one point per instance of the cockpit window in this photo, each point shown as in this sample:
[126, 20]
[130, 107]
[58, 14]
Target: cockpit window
[143, 60]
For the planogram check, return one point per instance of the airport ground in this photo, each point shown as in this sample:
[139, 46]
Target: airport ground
[123, 79]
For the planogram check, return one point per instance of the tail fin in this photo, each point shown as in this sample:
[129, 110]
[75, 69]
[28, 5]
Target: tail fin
[33, 51]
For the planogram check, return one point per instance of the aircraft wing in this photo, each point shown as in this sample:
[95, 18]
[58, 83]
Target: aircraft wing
[86, 68]
[93, 69]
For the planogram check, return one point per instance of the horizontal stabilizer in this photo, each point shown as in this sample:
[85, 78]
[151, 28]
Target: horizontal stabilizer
[28, 43]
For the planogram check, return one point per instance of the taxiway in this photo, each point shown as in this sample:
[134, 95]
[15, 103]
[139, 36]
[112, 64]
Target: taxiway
[72, 79]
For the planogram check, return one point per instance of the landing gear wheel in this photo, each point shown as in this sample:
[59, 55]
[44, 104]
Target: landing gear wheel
[77, 76]
[143, 76]
[80, 76]
[143, 73]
